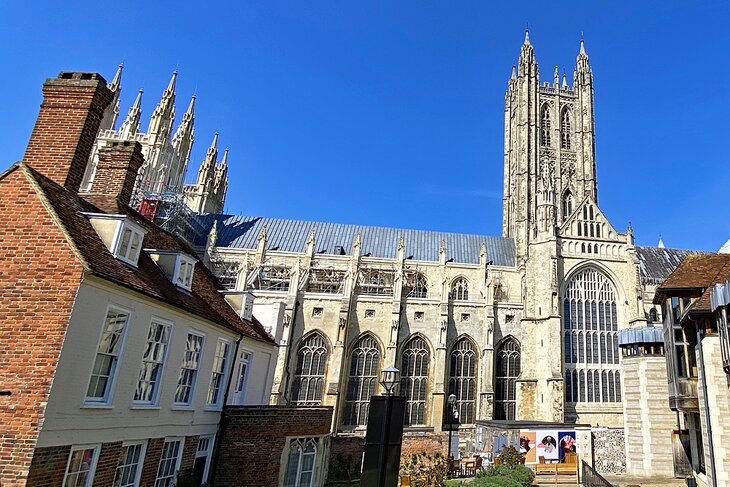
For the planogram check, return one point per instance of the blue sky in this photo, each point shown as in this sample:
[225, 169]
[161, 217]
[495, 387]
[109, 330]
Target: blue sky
[391, 113]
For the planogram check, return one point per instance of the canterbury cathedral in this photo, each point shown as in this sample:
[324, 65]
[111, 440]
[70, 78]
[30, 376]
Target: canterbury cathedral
[520, 326]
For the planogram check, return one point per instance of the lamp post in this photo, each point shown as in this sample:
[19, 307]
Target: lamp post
[453, 413]
[389, 377]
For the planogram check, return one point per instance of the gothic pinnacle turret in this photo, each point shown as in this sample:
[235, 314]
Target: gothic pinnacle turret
[527, 56]
[220, 183]
[112, 110]
[164, 114]
[185, 134]
[130, 126]
[207, 167]
[582, 67]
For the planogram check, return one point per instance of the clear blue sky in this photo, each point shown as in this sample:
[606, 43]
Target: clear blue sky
[391, 113]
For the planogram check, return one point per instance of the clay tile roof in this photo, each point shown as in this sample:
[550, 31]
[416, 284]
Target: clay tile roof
[204, 301]
[697, 272]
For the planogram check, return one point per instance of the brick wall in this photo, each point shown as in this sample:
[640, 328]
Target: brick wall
[47, 468]
[151, 462]
[252, 440]
[428, 442]
[346, 457]
[106, 465]
[39, 278]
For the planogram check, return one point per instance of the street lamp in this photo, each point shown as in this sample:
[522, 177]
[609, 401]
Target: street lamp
[453, 414]
[388, 379]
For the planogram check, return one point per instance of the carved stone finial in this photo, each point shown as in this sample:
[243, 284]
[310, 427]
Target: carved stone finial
[310, 237]
[262, 235]
[401, 244]
[442, 247]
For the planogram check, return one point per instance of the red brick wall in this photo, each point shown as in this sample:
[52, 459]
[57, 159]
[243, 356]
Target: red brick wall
[428, 442]
[106, 465]
[346, 457]
[151, 462]
[66, 127]
[117, 170]
[253, 438]
[189, 449]
[39, 278]
[48, 467]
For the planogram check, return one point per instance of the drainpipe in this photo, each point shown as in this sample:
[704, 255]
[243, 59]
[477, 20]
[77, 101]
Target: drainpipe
[703, 379]
[287, 362]
[218, 436]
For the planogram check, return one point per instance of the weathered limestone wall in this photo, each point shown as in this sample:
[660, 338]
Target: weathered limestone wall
[649, 421]
[718, 391]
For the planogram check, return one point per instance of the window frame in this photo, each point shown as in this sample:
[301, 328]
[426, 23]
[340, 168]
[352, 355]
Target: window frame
[301, 443]
[222, 375]
[182, 278]
[321, 351]
[108, 397]
[140, 462]
[363, 381]
[245, 359]
[118, 240]
[96, 449]
[178, 461]
[196, 376]
[154, 401]
[208, 455]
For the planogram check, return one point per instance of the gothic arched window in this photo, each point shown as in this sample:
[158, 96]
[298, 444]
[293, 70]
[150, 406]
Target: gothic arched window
[462, 379]
[460, 289]
[414, 379]
[545, 125]
[300, 463]
[418, 285]
[506, 373]
[565, 129]
[309, 374]
[567, 205]
[364, 365]
[590, 325]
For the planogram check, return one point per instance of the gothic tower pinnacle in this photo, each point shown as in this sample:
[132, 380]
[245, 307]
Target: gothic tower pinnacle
[549, 154]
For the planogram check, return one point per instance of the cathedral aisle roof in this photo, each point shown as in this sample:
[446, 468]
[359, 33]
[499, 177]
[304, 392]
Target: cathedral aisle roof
[657, 263]
[291, 236]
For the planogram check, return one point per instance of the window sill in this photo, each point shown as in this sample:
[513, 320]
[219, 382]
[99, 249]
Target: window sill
[214, 409]
[182, 407]
[145, 406]
[93, 405]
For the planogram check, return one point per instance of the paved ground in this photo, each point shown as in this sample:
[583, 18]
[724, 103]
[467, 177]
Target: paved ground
[628, 481]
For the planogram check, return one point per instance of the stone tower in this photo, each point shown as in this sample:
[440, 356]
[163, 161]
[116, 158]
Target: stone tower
[549, 149]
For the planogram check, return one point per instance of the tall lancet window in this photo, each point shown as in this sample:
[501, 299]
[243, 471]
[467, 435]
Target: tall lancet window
[363, 381]
[462, 379]
[567, 204]
[507, 371]
[545, 125]
[309, 374]
[565, 129]
[414, 379]
[590, 348]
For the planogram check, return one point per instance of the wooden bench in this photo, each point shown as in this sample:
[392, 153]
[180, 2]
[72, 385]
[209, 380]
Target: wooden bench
[567, 467]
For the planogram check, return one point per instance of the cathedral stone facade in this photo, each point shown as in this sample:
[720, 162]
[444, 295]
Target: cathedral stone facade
[166, 152]
[518, 326]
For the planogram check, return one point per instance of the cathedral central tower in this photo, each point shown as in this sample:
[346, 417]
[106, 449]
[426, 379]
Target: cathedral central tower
[549, 148]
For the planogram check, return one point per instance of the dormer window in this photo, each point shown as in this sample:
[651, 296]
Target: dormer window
[177, 266]
[184, 272]
[122, 236]
[129, 243]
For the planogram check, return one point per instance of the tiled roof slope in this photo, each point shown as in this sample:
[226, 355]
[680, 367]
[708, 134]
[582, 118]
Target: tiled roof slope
[697, 272]
[291, 236]
[204, 300]
[657, 263]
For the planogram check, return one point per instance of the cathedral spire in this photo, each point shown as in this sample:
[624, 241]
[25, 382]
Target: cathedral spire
[527, 62]
[207, 168]
[109, 119]
[117, 80]
[130, 126]
[185, 133]
[556, 76]
[220, 181]
[582, 59]
[164, 114]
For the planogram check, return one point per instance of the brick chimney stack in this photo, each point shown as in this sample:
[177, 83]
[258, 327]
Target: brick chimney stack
[67, 125]
[116, 173]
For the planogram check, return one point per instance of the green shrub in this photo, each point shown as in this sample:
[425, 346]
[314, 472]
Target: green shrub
[516, 476]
